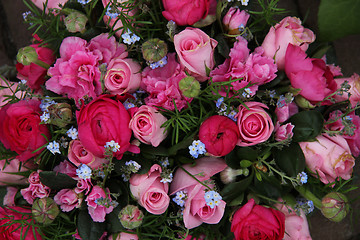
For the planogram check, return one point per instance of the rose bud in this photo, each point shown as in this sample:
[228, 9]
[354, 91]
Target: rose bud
[154, 50]
[335, 206]
[131, 217]
[60, 114]
[75, 21]
[189, 87]
[234, 19]
[28, 55]
[45, 210]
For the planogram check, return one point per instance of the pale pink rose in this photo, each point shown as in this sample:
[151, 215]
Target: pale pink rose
[9, 90]
[124, 236]
[66, 168]
[7, 167]
[162, 85]
[329, 157]
[146, 125]
[122, 76]
[296, 226]
[96, 211]
[354, 82]
[195, 50]
[234, 19]
[284, 112]
[9, 198]
[67, 199]
[78, 154]
[149, 191]
[36, 189]
[50, 4]
[196, 211]
[255, 124]
[283, 132]
[83, 185]
[288, 30]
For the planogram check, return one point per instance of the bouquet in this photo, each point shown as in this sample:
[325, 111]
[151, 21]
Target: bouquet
[173, 119]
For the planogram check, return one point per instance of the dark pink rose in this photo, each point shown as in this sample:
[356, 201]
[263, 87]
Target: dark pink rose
[287, 31]
[36, 189]
[67, 199]
[254, 123]
[219, 134]
[354, 82]
[97, 211]
[149, 191]
[234, 19]
[20, 128]
[7, 167]
[77, 154]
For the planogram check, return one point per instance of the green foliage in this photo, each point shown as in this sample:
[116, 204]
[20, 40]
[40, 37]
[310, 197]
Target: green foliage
[308, 125]
[56, 180]
[290, 159]
[88, 229]
[234, 192]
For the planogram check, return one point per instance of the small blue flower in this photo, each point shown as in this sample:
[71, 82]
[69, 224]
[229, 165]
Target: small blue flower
[162, 62]
[83, 172]
[72, 133]
[53, 147]
[272, 93]
[45, 117]
[83, 1]
[281, 101]
[219, 102]
[154, 65]
[302, 177]
[112, 12]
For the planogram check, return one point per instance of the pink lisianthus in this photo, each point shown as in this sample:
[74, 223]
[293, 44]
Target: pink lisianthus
[235, 19]
[284, 112]
[196, 211]
[78, 154]
[149, 191]
[36, 189]
[67, 199]
[287, 31]
[354, 82]
[283, 132]
[97, 211]
[162, 85]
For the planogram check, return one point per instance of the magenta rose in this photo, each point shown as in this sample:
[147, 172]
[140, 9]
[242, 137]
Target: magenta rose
[254, 123]
[252, 222]
[97, 211]
[219, 134]
[149, 191]
[196, 211]
[186, 12]
[329, 158]
[77, 154]
[195, 50]
[234, 19]
[354, 82]
[8, 167]
[101, 121]
[288, 30]
[20, 128]
[67, 199]
[146, 125]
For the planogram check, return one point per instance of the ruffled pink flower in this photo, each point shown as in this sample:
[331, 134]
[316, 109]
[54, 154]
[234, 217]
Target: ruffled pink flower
[96, 211]
[67, 199]
[36, 189]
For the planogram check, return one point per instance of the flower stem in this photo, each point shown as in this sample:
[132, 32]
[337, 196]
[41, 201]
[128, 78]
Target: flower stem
[310, 196]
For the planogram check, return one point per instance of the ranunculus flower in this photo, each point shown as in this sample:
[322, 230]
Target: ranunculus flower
[20, 128]
[195, 50]
[311, 75]
[67, 199]
[288, 30]
[255, 124]
[9, 90]
[219, 134]
[16, 231]
[146, 125]
[77, 154]
[149, 191]
[186, 12]
[7, 167]
[329, 158]
[283, 132]
[354, 82]
[196, 211]
[101, 121]
[36, 189]
[234, 19]
[96, 211]
[252, 222]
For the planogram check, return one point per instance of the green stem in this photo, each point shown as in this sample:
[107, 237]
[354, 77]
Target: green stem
[195, 178]
[310, 196]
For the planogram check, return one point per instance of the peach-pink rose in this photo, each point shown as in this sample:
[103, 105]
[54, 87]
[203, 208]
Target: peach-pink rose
[146, 125]
[354, 82]
[6, 170]
[288, 30]
[78, 154]
[195, 50]
[329, 158]
[254, 123]
[149, 191]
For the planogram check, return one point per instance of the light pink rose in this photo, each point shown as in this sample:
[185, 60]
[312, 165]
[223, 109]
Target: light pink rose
[124, 236]
[284, 112]
[96, 211]
[354, 82]
[122, 76]
[36, 189]
[146, 125]
[9, 90]
[196, 211]
[50, 4]
[283, 132]
[329, 157]
[149, 191]
[7, 167]
[288, 30]
[78, 154]
[195, 50]
[234, 19]
[255, 124]
[67, 199]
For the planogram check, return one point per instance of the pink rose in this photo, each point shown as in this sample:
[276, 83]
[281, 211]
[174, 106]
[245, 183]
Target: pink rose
[20, 128]
[311, 75]
[288, 30]
[7, 167]
[146, 125]
[195, 50]
[36, 189]
[196, 211]
[284, 112]
[8, 91]
[186, 12]
[83, 185]
[234, 19]
[283, 132]
[97, 211]
[255, 124]
[354, 82]
[67, 199]
[77, 154]
[50, 4]
[219, 134]
[9, 198]
[66, 168]
[124, 236]
[149, 191]
[329, 158]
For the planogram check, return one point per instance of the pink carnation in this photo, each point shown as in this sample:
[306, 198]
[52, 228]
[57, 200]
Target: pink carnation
[97, 211]
[36, 189]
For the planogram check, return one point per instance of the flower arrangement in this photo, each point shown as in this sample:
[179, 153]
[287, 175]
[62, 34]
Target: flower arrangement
[173, 119]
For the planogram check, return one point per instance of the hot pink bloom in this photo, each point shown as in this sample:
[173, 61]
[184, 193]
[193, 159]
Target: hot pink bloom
[36, 189]
[97, 211]
[67, 199]
[50, 4]
[83, 186]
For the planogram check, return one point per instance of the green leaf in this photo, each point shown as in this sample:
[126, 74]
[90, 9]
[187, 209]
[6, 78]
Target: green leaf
[308, 125]
[88, 229]
[237, 201]
[235, 157]
[56, 181]
[113, 219]
[337, 19]
[245, 163]
[232, 191]
[290, 159]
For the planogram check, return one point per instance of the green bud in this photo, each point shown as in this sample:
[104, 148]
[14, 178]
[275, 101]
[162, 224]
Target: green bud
[189, 87]
[60, 114]
[154, 50]
[75, 21]
[131, 217]
[303, 103]
[45, 210]
[27, 55]
[335, 206]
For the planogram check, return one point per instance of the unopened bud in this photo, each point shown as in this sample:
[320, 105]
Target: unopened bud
[189, 87]
[154, 50]
[60, 114]
[76, 22]
[131, 217]
[45, 210]
[303, 102]
[27, 55]
[335, 206]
